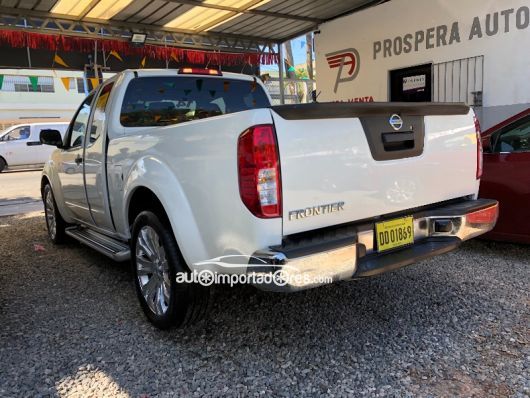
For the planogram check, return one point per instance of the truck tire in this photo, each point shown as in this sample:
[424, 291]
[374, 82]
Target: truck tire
[156, 260]
[3, 164]
[54, 221]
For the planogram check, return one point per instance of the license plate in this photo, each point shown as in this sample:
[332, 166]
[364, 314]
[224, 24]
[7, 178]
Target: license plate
[394, 233]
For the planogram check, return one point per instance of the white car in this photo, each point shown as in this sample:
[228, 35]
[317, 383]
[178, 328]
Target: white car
[20, 145]
[194, 172]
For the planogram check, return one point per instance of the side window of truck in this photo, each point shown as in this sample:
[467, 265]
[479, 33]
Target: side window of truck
[514, 138]
[18, 134]
[98, 121]
[79, 124]
[165, 100]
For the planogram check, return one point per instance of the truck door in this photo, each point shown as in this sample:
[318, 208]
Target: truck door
[14, 148]
[38, 153]
[94, 163]
[507, 177]
[71, 167]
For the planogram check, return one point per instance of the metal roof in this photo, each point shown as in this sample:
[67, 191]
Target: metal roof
[220, 24]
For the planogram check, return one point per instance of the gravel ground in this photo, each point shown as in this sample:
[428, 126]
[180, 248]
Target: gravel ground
[70, 325]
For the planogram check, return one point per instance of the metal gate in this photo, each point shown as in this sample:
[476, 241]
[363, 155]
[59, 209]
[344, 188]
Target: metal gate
[461, 80]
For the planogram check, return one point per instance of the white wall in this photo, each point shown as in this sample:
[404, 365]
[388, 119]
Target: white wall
[506, 53]
[26, 107]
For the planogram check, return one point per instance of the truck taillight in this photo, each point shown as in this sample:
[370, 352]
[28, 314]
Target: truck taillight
[480, 150]
[259, 171]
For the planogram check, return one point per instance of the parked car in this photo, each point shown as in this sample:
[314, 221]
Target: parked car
[182, 170]
[20, 145]
[507, 176]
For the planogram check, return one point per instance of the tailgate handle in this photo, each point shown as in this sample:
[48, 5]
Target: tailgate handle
[398, 141]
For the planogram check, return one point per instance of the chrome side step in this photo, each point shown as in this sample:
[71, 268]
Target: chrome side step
[116, 250]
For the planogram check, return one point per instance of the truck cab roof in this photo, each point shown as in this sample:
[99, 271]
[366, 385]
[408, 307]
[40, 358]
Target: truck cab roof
[176, 72]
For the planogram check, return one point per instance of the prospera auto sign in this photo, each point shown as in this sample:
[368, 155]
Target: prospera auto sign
[493, 24]
[471, 29]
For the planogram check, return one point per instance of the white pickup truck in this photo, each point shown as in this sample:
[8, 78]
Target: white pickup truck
[182, 171]
[20, 145]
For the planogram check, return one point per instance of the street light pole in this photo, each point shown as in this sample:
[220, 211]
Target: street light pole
[281, 72]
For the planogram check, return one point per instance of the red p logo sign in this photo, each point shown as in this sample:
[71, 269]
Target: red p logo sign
[347, 62]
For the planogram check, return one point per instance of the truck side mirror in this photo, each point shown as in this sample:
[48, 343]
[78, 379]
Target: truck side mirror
[51, 137]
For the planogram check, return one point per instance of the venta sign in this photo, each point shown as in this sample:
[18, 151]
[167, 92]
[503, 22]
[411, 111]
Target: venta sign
[445, 35]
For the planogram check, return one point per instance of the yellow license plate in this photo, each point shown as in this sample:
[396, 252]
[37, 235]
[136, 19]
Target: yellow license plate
[394, 233]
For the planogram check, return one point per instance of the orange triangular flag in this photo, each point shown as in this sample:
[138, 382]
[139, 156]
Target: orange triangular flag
[174, 57]
[142, 64]
[66, 83]
[116, 55]
[60, 61]
[94, 81]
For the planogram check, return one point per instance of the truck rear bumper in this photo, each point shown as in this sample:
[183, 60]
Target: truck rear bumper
[436, 231]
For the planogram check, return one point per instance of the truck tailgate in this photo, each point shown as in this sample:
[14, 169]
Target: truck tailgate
[345, 162]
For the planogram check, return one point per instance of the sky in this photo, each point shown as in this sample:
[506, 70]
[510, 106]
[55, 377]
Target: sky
[299, 49]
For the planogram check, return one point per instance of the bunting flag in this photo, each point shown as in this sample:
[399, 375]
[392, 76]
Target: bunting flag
[58, 60]
[1, 81]
[94, 81]
[116, 55]
[142, 63]
[66, 83]
[52, 42]
[34, 81]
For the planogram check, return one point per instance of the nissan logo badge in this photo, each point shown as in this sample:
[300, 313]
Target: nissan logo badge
[396, 122]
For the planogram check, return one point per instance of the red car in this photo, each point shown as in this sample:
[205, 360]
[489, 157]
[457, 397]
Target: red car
[507, 176]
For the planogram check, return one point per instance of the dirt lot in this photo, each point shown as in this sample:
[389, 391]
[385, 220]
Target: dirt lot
[70, 325]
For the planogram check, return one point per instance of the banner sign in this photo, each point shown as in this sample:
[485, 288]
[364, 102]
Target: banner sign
[414, 83]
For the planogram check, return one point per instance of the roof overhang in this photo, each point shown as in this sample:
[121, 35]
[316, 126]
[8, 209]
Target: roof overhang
[229, 25]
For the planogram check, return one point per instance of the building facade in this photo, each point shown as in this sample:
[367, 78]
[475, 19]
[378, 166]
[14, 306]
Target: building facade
[473, 51]
[40, 95]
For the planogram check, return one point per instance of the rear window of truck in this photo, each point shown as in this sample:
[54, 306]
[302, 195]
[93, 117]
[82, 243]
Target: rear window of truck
[165, 100]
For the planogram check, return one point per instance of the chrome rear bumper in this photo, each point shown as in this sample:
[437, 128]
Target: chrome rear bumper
[436, 231]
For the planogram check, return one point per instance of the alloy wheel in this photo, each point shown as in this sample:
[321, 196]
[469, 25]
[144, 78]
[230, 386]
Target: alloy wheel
[152, 270]
[50, 214]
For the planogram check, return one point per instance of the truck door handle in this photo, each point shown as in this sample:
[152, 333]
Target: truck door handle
[398, 141]
[78, 159]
